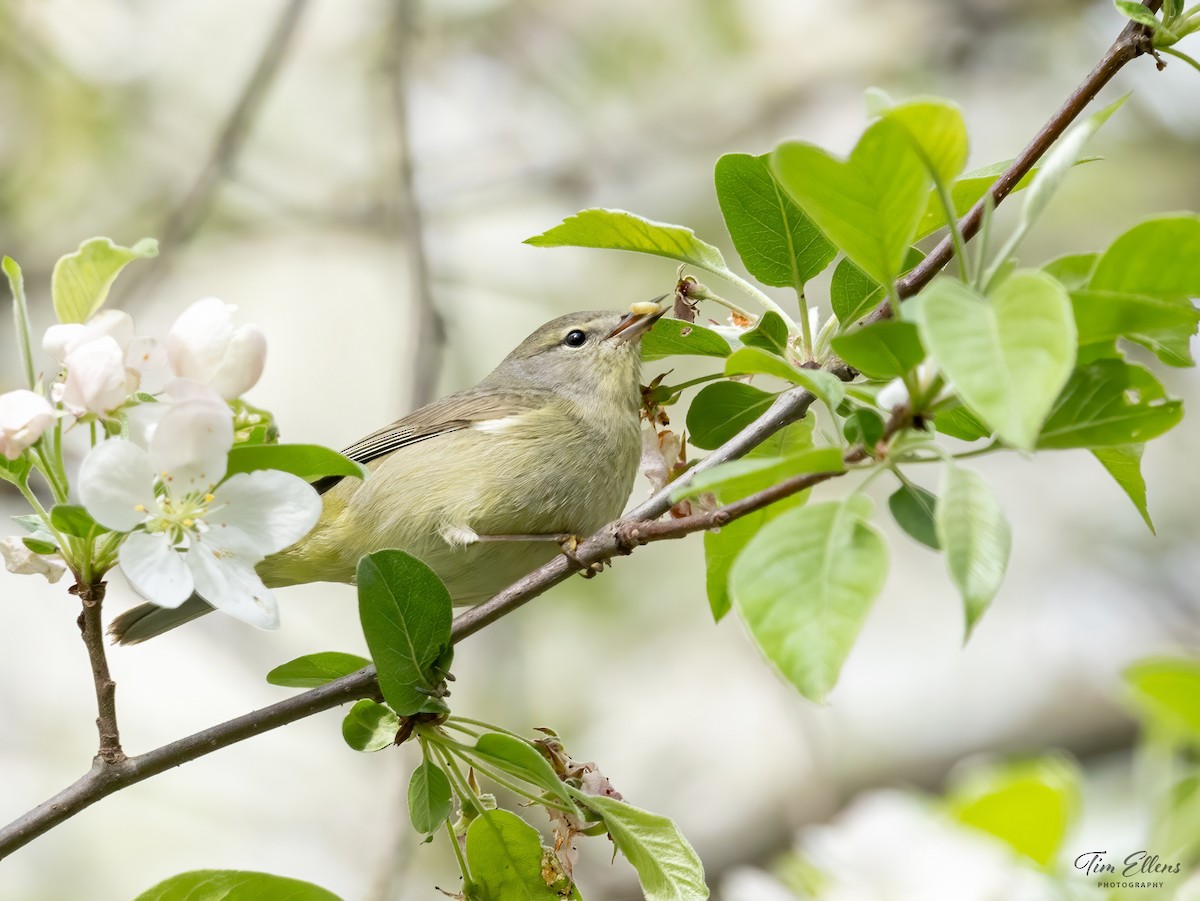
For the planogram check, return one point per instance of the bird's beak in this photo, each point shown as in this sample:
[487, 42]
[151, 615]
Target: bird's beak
[633, 325]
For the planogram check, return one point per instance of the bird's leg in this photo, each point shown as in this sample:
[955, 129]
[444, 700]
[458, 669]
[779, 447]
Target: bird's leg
[566, 542]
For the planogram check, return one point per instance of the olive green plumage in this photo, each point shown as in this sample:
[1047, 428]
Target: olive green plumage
[548, 443]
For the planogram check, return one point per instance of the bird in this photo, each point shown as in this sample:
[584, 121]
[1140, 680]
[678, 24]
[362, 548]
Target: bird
[483, 485]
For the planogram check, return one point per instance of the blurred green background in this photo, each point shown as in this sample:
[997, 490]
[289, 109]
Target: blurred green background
[352, 175]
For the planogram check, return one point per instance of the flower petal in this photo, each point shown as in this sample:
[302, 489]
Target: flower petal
[198, 340]
[96, 377]
[20, 559]
[190, 446]
[24, 415]
[155, 569]
[258, 513]
[116, 479]
[242, 365]
[232, 586]
[59, 337]
[145, 353]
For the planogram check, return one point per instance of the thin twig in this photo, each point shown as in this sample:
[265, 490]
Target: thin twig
[91, 626]
[614, 539]
[429, 331]
[188, 215]
[1132, 42]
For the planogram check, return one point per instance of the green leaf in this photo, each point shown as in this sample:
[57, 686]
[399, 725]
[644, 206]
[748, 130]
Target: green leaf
[234, 885]
[1102, 316]
[1059, 161]
[852, 294]
[743, 477]
[1133, 10]
[756, 361]
[721, 410]
[1154, 268]
[405, 612]
[1008, 358]
[71, 519]
[1166, 691]
[1073, 270]
[1124, 464]
[674, 337]
[827, 387]
[959, 422]
[428, 797]
[722, 546]
[1106, 403]
[870, 204]
[864, 426]
[619, 230]
[881, 350]
[974, 533]
[771, 334]
[804, 586]
[81, 280]
[308, 461]
[913, 509]
[312, 670]
[523, 760]
[1029, 805]
[40, 547]
[969, 189]
[777, 242]
[667, 867]
[370, 726]
[504, 854]
[16, 283]
[937, 132]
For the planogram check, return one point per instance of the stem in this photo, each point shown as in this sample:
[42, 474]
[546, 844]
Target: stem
[458, 853]
[1180, 55]
[461, 784]
[700, 292]
[806, 340]
[956, 238]
[734, 279]
[517, 790]
[482, 725]
[92, 627]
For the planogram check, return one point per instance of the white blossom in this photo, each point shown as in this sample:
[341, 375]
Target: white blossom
[104, 361]
[205, 345]
[188, 530]
[21, 560]
[24, 415]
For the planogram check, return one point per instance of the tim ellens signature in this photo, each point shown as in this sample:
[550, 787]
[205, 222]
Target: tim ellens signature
[1139, 863]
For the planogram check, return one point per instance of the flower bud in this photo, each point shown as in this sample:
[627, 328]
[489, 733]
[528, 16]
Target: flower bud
[97, 380]
[203, 345]
[24, 415]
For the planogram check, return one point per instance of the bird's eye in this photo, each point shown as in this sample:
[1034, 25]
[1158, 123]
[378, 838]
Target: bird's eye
[575, 338]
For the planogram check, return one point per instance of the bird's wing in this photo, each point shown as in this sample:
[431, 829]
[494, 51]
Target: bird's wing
[450, 414]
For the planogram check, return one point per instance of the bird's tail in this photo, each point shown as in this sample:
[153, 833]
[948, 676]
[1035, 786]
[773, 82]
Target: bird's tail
[147, 620]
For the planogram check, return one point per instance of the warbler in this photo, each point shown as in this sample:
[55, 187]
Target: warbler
[483, 485]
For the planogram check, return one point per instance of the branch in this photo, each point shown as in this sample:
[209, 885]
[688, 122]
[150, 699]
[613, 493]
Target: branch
[193, 209]
[617, 538]
[91, 626]
[1132, 42]
[429, 334]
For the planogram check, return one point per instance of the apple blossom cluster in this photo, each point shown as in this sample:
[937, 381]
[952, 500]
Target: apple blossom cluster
[156, 421]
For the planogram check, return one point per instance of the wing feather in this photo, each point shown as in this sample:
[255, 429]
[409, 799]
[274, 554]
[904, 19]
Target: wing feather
[442, 417]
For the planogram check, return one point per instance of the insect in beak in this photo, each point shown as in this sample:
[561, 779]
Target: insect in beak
[638, 320]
